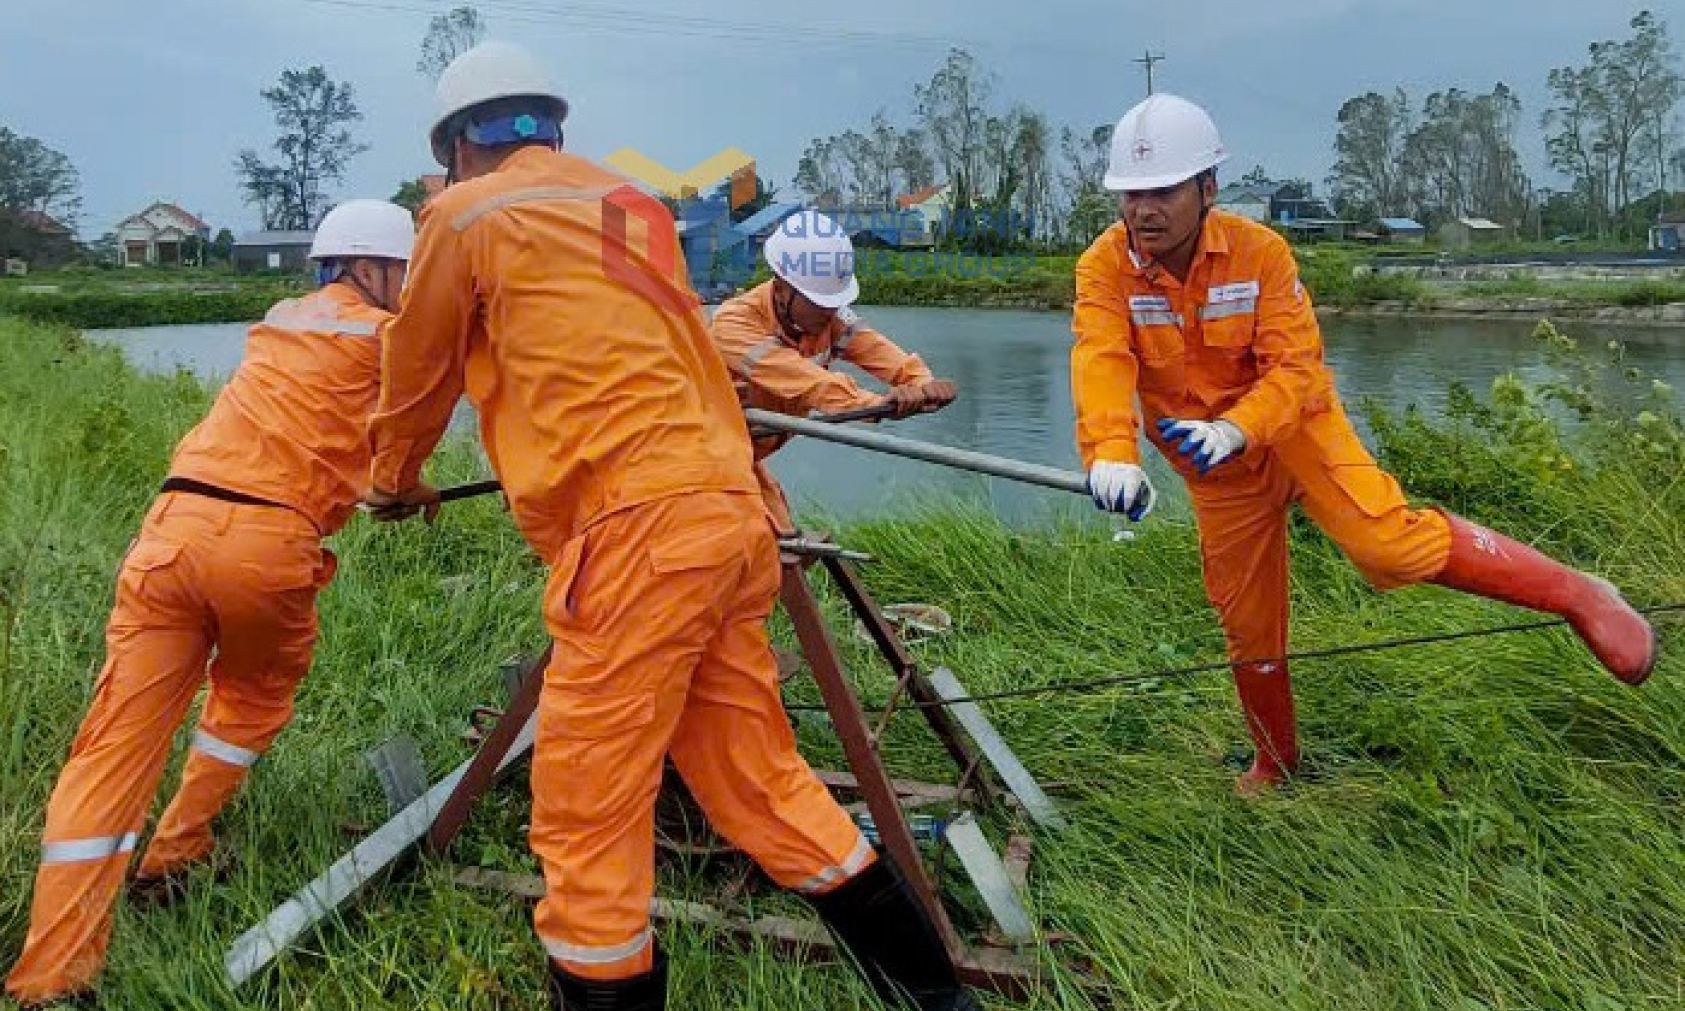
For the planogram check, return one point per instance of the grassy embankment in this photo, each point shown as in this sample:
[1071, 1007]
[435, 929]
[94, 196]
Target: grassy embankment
[91, 299]
[1336, 275]
[1485, 825]
[1337, 278]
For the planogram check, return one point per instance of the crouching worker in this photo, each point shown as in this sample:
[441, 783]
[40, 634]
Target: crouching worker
[780, 340]
[1202, 315]
[225, 571]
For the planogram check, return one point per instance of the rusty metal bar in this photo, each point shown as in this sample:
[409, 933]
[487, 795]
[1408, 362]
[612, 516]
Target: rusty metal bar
[996, 970]
[942, 722]
[483, 768]
[889, 707]
[911, 791]
[850, 724]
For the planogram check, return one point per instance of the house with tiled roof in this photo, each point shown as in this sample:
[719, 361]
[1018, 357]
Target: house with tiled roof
[158, 236]
[932, 203]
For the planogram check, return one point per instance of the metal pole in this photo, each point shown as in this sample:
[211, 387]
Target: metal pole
[912, 449]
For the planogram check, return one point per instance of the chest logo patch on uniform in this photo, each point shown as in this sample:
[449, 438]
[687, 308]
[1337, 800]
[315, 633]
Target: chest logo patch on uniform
[1238, 291]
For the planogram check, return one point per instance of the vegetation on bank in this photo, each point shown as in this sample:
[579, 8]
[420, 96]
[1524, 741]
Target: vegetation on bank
[94, 299]
[1338, 275]
[1483, 825]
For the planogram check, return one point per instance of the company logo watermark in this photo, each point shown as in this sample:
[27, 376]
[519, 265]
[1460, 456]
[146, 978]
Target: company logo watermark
[731, 162]
[888, 244]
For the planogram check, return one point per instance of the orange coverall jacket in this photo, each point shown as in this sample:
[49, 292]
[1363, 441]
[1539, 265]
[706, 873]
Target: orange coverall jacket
[1239, 340]
[776, 372]
[517, 295]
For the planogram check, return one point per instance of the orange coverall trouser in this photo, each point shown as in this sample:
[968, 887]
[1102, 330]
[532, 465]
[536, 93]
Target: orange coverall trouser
[659, 618]
[203, 574]
[1242, 516]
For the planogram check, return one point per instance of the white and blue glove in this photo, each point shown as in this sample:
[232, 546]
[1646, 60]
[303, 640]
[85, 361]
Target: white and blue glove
[1206, 443]
[1121, 488]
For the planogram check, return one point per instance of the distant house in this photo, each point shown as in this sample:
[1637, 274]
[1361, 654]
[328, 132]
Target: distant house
[1401, 230]
[1290, 208]
[871, 227]
[287, 251]
[933, 203]
[1465, 232]
[1248, 200]
[158, 236]
[1668, 233]
[32, 238]
[44, 225]
[1317, 229]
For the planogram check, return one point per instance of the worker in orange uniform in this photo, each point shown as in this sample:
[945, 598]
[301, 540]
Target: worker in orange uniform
[228, 562]
[1202, 315]
[781, 338]
[553, 292]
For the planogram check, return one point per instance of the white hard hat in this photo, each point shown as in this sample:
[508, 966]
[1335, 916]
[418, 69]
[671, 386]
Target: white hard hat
[372, 228]
[1161, 142]
[489, 71]
[813, 254]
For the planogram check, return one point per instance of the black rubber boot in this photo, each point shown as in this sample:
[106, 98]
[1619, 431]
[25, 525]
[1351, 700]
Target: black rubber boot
[639, 993]
[879, 920]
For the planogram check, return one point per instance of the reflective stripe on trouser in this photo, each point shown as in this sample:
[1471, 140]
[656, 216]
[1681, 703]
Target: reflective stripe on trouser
[198, 565]
[1321, 465]
[659, 616]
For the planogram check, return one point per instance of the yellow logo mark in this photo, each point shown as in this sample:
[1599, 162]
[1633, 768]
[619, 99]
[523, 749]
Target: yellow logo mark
[682, 185]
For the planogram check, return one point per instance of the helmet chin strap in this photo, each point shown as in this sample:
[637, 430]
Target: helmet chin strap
[783, 310]
[360, 288]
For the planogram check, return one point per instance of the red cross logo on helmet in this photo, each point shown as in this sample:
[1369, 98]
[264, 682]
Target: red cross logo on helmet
[1142, 150]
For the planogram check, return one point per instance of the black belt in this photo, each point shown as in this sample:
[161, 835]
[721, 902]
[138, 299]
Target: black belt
[188, 486]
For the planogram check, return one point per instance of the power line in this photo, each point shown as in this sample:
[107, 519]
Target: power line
[625, 21]
[1139, 677]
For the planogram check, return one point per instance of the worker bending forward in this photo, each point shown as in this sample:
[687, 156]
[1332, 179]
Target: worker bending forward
[1201, 314]
[781, 339]
[225, 570]
[553, 292]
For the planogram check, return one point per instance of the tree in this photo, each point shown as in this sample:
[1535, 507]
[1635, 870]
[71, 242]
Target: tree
[1612, 120]
[1368, 178]
[822, 172]
[1032, 152]
[913, 161]
[1091, 208]
[222, 247]
[412, 193]
[103, 251]
[34, 177]
[952, 108]
[449, 35]
[1461, 158]
[312, 111]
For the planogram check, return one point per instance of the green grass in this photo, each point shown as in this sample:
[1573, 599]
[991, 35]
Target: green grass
[1643, 292]
[1485, 825]
[90, 298]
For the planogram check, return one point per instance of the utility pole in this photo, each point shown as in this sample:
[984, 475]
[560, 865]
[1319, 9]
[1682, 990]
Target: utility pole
[1147, 59]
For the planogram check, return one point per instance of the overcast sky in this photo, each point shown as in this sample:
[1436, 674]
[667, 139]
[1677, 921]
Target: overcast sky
[152, 100]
